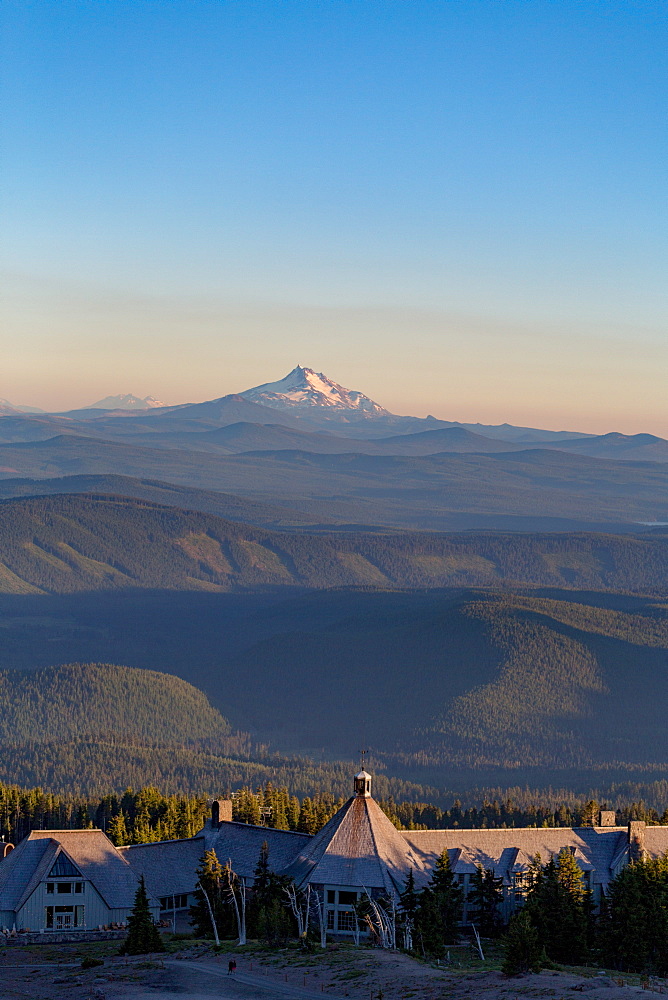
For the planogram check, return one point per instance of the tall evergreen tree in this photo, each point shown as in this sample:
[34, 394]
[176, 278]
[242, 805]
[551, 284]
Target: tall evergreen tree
[143, 936]
[439, 908]
[408, 909]
[485, 898]
[635, 934]
[268, 917]
[210, 899]
[560, 909]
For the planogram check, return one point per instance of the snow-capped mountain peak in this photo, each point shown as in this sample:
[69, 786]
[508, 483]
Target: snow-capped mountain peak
[126, 401]
[304, 389]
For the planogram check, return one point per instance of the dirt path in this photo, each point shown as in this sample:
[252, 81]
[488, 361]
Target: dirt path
[197, 973]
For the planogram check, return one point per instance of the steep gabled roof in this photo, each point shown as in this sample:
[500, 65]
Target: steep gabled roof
[23, 869]
[358, 847]
[90, 851]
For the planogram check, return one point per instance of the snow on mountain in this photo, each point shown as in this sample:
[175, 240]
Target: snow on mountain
[303, 389]
[126, 402]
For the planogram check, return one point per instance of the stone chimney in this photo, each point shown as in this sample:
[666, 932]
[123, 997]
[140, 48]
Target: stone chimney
[636, 840]
[221, 812]
[607, 817]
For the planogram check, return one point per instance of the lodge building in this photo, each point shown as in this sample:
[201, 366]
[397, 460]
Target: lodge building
[76, 880]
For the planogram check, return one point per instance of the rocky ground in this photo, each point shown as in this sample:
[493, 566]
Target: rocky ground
[196, 972]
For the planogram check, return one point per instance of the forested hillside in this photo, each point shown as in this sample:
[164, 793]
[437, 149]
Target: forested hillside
[64, 544]
[58, 704]
[450, 689]
[470, 681]
[233, 508]
[460, 659]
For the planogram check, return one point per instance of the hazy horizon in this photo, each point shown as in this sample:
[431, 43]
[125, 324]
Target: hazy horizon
[88, 400]
[458, 209]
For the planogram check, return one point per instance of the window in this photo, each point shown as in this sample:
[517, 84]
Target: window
[330, 920]
[50, 887]
[64, 887]
[61, 918]
[331, 895]
[78, 887]
[346, 920]
[347, 898]
[178, 902]
[63, 868]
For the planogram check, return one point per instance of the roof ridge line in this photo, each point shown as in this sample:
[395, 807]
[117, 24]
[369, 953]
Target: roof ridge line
[384, 867]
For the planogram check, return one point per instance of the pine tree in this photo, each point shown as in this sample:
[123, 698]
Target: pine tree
[439, 908]
[485, 898]
[143, 936]
[635, 936]
[117, 831]
[408, 908]
[590, 812]
[523, 951]
[408, 898]
[560, 909]
[308, 821]
[268, 918]
[209, 896]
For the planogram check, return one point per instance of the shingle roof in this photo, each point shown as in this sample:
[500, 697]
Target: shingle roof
[240, 843]
[508, 850]
[23, 869]
[168, 866]
[656, 840]
[89, 850]
[358, 846]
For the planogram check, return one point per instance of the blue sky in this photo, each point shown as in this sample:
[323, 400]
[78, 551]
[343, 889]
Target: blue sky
[458, 207]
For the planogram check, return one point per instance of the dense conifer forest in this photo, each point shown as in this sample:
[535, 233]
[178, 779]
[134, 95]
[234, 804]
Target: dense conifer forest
[147, 815]
[64, 544]
[65, 702]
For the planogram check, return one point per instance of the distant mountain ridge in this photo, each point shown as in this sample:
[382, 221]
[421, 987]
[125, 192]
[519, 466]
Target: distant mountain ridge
[7, 407]
[126, 401]
[311, 403]
[63, 544]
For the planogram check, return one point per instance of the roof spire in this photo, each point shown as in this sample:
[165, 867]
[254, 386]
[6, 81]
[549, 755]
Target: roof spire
[363, 779]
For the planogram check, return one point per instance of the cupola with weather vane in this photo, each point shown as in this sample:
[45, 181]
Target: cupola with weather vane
[363, 784]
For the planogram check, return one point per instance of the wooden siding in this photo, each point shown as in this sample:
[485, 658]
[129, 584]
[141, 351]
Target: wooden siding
[32, 915]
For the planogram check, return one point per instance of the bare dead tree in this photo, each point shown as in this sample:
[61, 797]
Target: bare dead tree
[236, 893]
[381, 922]
[318, 904]
[210, 909]
[300, 904]
[408, 934]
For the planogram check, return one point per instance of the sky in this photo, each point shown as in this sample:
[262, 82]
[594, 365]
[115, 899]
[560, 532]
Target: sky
[457, 207]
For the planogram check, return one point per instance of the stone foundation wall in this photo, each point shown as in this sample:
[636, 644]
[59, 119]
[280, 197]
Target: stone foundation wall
[62, 937]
